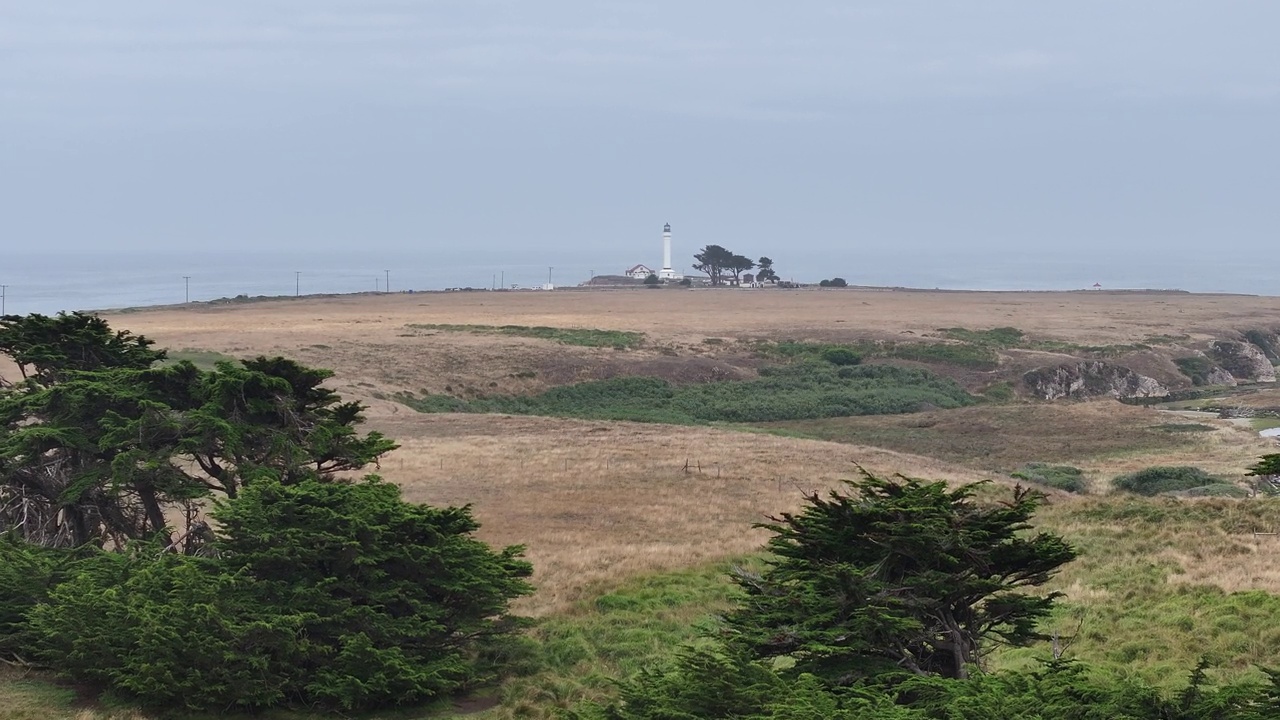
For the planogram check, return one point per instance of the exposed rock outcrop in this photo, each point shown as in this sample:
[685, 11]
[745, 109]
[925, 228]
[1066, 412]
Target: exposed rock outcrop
[1267, 341]
[1243, 360]
[1091, 378]
[1218, 376]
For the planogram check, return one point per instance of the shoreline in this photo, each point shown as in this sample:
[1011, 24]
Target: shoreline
[242, 301]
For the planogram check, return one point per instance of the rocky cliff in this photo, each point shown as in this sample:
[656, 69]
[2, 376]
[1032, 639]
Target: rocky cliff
[1091, 378]
[1245, 361]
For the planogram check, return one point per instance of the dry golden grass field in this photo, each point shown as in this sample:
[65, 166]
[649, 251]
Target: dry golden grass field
[600, 501]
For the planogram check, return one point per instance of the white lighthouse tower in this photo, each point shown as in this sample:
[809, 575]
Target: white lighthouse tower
[667, 273]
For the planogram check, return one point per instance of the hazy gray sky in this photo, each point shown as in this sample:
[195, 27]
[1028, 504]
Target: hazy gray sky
[1085, 125]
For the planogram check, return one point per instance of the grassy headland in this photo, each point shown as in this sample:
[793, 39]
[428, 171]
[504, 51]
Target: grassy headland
[631, 550]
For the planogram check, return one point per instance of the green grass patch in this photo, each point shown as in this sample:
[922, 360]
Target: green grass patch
[579, 655]
[959, 354]
[27, 697]
[965, 355]
[1183, 427]
[1003, 337]
[1126, 601]
[1264, 423]
[583, 337]
[789, 392]
[1001, 392]
[1059, 477]
[203, 359]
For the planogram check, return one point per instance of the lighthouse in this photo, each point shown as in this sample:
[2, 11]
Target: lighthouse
[667, 273]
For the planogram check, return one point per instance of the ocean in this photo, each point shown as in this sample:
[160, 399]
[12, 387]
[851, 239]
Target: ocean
[53, 282]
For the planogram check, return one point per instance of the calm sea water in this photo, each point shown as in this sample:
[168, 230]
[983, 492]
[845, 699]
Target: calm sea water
[49, 283]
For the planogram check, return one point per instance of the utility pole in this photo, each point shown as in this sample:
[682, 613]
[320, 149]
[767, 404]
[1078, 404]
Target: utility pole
[187, 279]
[549, 269]
[4, 293]
[297, 283]
[387, 284]
[503, 284]
[377, 284]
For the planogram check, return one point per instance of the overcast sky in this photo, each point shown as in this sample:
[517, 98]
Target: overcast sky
[1095, 126]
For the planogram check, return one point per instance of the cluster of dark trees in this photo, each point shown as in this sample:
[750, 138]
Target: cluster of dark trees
[194, 539]
[724, 266]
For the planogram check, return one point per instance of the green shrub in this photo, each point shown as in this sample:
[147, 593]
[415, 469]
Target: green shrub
[27, 573]
[323, 594]
[1157, 480]
[170, 631]
[841, 356]
[1059, 477]
[1196, 367]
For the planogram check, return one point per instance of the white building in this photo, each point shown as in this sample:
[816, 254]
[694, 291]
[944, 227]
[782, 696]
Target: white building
[639, 272]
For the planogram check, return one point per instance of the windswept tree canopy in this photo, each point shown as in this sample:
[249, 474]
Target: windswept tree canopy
[898, 575]
[97, 443]
[737, 265]
[46, 348]
[766, 273]
[714, 260]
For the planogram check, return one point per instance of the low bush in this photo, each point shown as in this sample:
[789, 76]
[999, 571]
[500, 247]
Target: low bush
[1218, 489]
[1059, 477]
[1164, 479]
[841, 356]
